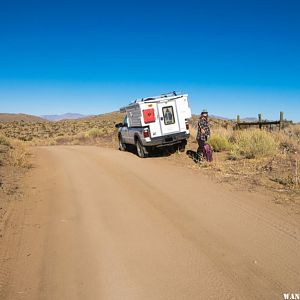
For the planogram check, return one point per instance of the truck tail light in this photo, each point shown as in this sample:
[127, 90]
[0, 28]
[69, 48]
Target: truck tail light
[146, 132]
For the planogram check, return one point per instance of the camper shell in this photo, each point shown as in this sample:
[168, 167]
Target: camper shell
[155, 122]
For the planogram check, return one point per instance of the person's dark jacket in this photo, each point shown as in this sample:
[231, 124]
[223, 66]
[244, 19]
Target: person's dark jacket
[202, 135]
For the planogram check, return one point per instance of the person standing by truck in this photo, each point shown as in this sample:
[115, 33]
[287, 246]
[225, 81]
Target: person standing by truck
[203, 132]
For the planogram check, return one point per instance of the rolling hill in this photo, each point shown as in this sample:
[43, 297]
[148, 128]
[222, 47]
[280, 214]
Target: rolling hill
[8, 117]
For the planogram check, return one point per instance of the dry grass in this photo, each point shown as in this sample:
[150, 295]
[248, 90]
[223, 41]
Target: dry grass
[18, 155]
[14, 151]
[289, 139]
[219, 143]
[4, 140]
[96, 132]
[253, 144]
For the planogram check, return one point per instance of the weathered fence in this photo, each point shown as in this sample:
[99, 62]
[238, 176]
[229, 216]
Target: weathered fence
[261, 123]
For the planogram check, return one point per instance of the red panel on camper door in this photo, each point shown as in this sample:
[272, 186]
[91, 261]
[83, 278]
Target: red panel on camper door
[149, 115]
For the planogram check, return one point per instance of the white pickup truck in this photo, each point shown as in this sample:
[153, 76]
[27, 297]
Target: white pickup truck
[155, 122]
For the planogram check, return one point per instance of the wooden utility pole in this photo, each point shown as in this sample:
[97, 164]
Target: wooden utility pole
[259, 121]
[281, 122]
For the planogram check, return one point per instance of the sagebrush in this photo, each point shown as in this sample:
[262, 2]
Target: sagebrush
[253, 143]
[219, 143]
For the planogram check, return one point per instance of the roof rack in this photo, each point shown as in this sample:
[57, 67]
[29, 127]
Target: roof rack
[170, 94]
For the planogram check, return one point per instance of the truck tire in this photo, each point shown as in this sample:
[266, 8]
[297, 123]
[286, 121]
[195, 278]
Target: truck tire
[141, 150]
[122, 146]
[181, 147]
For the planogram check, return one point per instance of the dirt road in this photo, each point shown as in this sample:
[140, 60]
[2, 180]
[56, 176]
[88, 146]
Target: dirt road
[104, 224]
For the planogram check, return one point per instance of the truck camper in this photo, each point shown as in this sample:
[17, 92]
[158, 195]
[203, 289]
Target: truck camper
[155, 122]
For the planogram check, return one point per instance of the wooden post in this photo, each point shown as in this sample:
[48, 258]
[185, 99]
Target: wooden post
[238, 120]
[259, 121]
[281, 120]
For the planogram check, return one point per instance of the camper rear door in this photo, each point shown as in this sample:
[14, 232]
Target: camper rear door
[168, 116]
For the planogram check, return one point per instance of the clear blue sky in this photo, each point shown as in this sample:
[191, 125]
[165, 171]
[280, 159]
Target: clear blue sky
[95, 56]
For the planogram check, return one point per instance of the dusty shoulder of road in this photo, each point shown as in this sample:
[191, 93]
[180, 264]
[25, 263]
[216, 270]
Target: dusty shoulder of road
[239, 178]
[12, 189]
[24, 213]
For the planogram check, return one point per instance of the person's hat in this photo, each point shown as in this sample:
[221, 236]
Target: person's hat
[204, 112]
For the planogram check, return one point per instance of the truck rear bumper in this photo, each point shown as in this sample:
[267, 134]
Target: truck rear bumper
[167, 140]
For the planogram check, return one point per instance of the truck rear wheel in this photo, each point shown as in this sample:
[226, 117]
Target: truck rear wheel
[181, 146]
[141, 150]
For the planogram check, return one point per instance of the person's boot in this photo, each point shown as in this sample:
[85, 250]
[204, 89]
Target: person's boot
[199, 157]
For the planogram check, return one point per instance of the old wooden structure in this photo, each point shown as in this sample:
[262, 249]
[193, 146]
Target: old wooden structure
[260, 123]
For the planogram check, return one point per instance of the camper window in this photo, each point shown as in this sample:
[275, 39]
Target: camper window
[125, 122]
[168, 114]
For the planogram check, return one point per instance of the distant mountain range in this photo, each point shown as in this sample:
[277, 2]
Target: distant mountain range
[218, 117]
[67, 116]
[247, 119]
